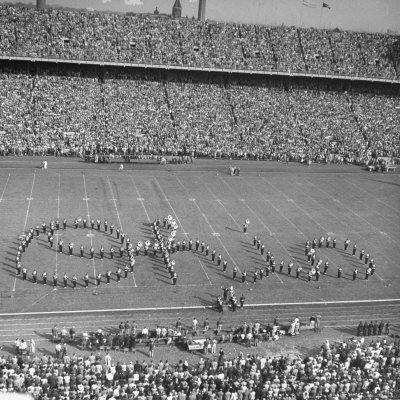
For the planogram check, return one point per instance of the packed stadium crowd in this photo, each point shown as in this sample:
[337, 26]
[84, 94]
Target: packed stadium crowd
[62, 112]
[186, 42]
[76, 114]
[353, 369]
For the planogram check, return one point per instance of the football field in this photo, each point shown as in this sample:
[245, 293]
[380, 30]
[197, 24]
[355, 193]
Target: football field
[285, 209]
[286, 206]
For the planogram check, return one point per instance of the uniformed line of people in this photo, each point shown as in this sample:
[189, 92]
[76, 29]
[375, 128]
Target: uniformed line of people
[321, 242]
[373, 328]
[310, 252]
[74, 280]
[165, 248]
[171, 246]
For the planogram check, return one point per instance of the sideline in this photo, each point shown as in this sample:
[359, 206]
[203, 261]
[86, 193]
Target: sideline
[305, 303]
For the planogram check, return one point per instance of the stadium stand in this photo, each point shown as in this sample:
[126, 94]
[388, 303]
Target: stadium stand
[93, 36]
[65, 111]
[352, 369]
[74, 113]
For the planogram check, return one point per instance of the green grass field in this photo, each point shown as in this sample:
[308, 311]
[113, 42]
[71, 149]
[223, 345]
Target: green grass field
[286, 206]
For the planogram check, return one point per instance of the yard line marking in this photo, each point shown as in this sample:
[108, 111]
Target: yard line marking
[344, 206]
[204, 270]
[26, 221]
[141, 199]
[4, 189]
[213, 232]
[262, 222]
[180, 224]
[112, 310]
[359, 235]
[371, 195]
[295, 203]
[379, 277]
[88, 215]
[270, 233]
[302, 210]
[30, 198]
[374, 209]
[119, 219]
[58, 216]
[282, 215]
[230, 215]
[353, 232]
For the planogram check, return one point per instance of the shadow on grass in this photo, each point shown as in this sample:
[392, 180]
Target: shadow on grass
[232, 230]
[46, 352]
[207, 303]
[347, 330]
[380, 181]
[8, 348]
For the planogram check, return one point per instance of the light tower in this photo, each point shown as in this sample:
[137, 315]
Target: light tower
[41, 4]
[202, 10]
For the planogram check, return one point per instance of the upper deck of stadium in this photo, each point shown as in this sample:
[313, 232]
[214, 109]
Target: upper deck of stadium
[108, 38]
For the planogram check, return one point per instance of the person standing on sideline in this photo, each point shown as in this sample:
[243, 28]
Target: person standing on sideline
[107, 360]
[241, 300]
[195, 324]
[32, 347]
[151, 349]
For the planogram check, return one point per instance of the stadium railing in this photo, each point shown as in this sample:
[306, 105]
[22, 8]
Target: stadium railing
[198, 69]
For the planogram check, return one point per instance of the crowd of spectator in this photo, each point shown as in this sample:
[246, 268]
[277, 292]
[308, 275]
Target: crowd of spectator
[96, 36]
[353, 369]
[79, 114]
